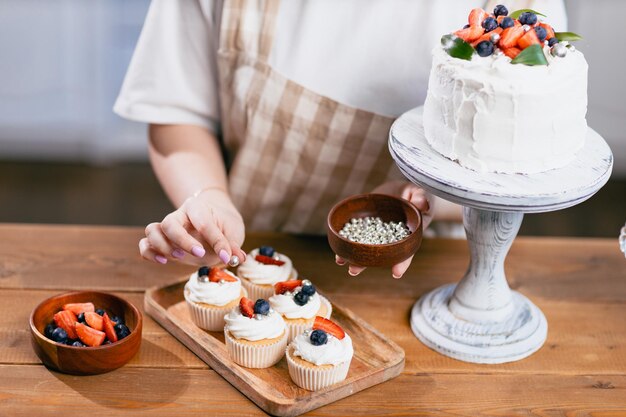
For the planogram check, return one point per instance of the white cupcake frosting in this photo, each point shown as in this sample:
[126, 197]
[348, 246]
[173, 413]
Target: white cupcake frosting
[212, 293]
[334, 352]
[259, 273]
[285, 305]
[264, 327]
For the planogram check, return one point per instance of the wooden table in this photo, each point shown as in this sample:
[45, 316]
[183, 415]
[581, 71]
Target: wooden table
[580, 285]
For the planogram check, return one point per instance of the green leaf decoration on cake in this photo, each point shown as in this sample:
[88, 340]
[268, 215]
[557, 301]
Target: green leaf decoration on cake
[457, 47]
[533, 55]
[567, 36]
[516, 14]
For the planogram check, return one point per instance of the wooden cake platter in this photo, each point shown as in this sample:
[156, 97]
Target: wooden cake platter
[376, 358]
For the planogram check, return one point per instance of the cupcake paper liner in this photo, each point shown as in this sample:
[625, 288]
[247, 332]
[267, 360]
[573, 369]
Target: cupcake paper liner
[313, 377]
[255, 355]
[257, 291]
[209, 318]
[295, 329]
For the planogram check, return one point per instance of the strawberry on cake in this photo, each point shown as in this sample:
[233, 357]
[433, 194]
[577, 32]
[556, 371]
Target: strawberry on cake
[263, 268]
[507, 94]
[320, 356]
[299, 302]
[210, 293]
[255, 335]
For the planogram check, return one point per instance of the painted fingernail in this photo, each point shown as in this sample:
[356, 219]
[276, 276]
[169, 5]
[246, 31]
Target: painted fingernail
[178, 253]
[160, 259]
[339, 261]
[198, 251]
[352, 273]
[223, 255]
[396, 277]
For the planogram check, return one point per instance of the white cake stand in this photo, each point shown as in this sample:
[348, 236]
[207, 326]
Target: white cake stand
[480, 319]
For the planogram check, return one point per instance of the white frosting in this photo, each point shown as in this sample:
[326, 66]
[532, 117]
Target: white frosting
[334, 352]
[266, 327]
[259, 273]
[491, 115]
[212, 293]
[285, 305]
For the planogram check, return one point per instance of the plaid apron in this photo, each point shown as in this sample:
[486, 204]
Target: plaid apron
[292, 153]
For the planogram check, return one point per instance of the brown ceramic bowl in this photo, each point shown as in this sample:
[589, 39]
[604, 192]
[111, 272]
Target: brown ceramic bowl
[85, 360]
[386, 207]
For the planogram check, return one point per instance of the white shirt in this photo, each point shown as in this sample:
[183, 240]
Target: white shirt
[371, 54]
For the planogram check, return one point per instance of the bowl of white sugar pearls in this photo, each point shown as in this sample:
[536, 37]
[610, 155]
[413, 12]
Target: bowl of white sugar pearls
[374, 229]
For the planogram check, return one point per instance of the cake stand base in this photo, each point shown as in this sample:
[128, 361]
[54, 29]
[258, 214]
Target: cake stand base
[522, 333]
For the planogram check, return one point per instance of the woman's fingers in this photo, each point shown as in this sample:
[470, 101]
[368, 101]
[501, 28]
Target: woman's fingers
[149, 254]
[173, 228]
[355, 270]
[239, 253]
[159, 242]
[399, 269]
[208, 227]
[339, 260]
[420, 199]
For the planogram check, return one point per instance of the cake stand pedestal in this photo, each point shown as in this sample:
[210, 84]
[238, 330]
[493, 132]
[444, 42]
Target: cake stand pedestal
[481, 319]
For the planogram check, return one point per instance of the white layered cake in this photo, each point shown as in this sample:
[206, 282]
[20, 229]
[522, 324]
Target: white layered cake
[491, 115]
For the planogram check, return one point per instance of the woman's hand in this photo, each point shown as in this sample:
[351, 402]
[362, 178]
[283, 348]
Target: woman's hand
[206, 228]
[417, 196]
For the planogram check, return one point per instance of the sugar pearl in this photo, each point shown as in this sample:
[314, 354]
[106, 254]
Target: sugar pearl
[373, 231]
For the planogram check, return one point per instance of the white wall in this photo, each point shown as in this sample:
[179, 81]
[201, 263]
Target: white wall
[62, 63]
[596, 22]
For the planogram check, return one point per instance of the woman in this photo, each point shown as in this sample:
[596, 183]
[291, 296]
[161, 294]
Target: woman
[266, 113]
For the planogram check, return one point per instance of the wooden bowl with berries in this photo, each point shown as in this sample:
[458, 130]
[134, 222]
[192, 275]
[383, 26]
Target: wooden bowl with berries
[374, 229]
[85, 332]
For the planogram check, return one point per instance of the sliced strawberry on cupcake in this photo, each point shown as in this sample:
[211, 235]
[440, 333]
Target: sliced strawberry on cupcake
[266, 260]
[284, 286]
[246, 306]
[329, 327]
[218, 274]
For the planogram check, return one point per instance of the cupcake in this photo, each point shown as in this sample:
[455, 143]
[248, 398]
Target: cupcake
[299, 302]
[255, 335]
[210, 294]
[263, 268]
[321, 356]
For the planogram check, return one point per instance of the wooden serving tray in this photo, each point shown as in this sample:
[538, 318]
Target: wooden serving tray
[376, 358]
